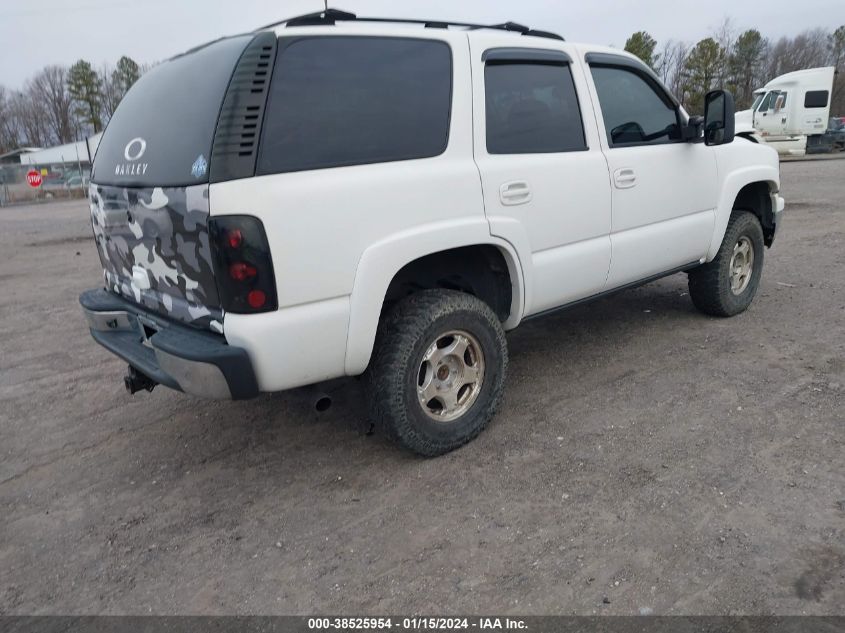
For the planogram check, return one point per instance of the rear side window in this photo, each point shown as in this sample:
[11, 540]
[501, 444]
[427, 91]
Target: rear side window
[338, 101]
[162, 131]
[532, 108]
[635, 112]
[816, 99]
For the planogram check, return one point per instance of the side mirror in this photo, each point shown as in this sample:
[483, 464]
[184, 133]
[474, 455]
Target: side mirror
[719, 122]
[631, 132]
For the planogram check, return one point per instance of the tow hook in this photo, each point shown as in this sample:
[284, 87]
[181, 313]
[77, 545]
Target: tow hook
[135, 381]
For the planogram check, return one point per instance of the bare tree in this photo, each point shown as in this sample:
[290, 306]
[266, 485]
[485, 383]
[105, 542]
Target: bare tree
[49, 87]
[31, 118]
[673, 56]
[111, 92]
[809, 49]
[837, 54]
[725, 33]
[9, 133]
[725, 36]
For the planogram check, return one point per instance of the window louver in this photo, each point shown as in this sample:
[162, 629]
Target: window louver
[235, 147]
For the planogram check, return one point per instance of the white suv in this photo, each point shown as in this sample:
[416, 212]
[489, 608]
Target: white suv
[335, 196]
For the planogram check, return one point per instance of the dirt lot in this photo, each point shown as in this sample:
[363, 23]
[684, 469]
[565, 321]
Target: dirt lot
[645, 454]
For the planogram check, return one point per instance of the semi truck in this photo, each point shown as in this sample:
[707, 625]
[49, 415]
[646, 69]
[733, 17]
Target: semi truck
[791, 112]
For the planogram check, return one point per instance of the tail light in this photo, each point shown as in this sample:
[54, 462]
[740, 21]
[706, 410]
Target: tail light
[242, 264]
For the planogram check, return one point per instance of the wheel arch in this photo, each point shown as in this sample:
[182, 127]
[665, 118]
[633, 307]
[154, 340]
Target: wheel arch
[756, 197]
[386, 261]
[753, 189]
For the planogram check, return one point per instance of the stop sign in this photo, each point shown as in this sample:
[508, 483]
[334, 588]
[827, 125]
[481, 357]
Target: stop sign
[33, 177]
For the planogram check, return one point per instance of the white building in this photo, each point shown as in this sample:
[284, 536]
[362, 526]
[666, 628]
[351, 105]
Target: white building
[81, 152]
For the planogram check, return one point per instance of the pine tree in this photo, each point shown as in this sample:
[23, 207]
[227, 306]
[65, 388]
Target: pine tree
[746, 66]
[125, 74]
[85, 88]
[701, 71]
[642, 45]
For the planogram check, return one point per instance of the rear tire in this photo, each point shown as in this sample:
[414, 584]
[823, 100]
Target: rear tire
[438, 370]
[726, 286]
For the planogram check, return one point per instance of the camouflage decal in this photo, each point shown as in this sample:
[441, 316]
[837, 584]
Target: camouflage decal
[160, 235]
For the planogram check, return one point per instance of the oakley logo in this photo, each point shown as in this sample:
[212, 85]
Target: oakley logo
[132, 152]
[135, 149]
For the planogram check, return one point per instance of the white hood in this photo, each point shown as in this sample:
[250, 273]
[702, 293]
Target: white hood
[744, 121]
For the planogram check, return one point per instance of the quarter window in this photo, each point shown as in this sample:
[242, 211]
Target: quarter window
[634, 111]
[532, 108]
[337, 101]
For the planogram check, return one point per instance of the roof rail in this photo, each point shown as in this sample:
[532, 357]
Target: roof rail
[332, 16]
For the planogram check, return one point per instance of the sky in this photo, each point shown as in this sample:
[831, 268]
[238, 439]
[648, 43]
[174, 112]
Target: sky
[35, 34]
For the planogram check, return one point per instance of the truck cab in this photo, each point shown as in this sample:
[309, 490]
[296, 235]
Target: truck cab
[790, 111]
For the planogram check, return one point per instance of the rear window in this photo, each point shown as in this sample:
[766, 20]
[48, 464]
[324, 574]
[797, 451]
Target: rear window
[337, 101]
[532, 108]
[162, 131]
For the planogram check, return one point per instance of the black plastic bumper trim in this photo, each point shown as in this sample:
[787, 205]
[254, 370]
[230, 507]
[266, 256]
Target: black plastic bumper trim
[183, 342]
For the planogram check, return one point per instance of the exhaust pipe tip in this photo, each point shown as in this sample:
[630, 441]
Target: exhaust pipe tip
[323, 404]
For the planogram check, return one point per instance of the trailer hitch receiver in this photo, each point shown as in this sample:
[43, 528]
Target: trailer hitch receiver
[135, 381]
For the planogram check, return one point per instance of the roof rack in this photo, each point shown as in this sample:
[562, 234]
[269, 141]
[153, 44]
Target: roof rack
[332, 16]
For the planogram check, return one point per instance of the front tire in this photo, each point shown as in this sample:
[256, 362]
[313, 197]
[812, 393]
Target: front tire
[438, 370]
[726, 286]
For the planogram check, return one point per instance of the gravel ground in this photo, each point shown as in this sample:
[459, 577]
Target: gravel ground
[646, 456]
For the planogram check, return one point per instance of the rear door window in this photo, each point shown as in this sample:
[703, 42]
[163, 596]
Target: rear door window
[338, 101]
[162, 131]
[532, 108]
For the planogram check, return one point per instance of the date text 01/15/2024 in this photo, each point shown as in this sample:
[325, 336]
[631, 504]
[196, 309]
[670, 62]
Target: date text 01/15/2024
[416, 624]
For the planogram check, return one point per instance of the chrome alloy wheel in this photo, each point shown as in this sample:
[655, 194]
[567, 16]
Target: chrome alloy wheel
[742, 265]
[450, 376]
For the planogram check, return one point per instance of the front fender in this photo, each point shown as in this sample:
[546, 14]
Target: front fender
[731, 186]
[381, 261]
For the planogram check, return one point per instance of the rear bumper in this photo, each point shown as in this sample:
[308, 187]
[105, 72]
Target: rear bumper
[177, 356]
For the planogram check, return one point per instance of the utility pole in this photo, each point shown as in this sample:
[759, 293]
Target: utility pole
[79, 164]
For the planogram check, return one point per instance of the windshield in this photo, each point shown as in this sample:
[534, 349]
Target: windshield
[162, 131]
[757, 100]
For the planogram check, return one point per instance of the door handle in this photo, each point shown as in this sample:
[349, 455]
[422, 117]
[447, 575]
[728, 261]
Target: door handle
[514, 193]
[625, 178]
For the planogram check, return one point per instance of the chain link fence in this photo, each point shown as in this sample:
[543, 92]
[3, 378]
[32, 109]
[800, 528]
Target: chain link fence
[58, 181]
